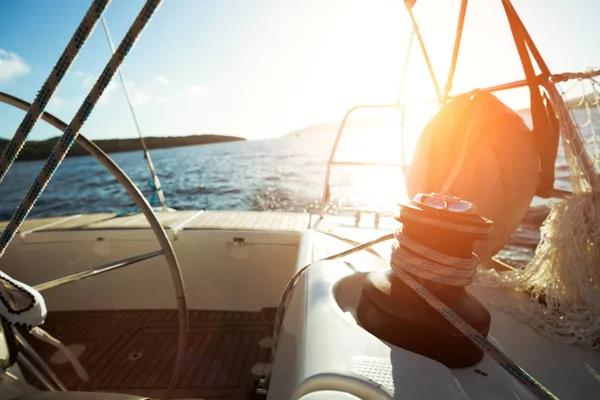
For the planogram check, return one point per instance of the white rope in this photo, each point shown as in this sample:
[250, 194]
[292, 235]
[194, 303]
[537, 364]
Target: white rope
[435, 255]
[427, 263]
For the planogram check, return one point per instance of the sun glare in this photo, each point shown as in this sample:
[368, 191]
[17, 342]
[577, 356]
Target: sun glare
[385, 136]
[376, 137]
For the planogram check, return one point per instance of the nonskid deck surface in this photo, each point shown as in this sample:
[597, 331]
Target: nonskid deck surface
[133, 351]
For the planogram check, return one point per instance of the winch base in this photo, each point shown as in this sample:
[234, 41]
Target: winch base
[392, 311]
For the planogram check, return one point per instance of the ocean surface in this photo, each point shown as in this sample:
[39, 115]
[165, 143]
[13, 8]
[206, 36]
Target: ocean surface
[283, 174]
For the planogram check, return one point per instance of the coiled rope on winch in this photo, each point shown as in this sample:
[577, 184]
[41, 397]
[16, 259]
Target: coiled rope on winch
[427, 263]
[412, 260]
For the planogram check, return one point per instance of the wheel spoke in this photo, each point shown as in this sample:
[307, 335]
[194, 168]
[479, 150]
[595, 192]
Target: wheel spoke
[95, 271]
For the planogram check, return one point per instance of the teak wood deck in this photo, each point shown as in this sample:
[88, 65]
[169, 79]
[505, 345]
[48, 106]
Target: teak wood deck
[133, 351]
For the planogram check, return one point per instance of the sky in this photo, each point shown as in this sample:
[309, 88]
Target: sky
[263, 68]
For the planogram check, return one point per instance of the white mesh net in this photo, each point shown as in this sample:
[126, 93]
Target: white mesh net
[563, 278]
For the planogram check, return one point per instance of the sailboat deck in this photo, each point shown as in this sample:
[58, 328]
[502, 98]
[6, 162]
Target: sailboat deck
[133, 351]
[173, 220]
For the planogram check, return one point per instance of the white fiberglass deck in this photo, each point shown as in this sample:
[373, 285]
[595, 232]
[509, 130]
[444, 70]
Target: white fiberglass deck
[223, 276]
[230, 260]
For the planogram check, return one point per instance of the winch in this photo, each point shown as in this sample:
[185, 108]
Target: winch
[433, 253]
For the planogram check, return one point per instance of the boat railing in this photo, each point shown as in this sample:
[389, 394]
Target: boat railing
[403, 164]
[402, 108]
[331, 162]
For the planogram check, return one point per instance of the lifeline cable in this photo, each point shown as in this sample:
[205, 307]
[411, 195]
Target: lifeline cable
[68, 138]
[11, 152]
[292, 283]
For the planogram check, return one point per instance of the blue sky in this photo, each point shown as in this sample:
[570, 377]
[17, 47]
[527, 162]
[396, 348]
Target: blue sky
[263, 68]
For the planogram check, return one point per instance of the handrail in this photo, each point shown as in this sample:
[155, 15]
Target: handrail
[440, 99]
[402, 107]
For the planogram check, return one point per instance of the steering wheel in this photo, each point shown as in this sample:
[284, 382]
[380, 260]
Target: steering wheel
[159, 232]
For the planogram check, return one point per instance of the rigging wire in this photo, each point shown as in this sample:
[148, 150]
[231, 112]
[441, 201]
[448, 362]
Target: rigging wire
[459, 31]
[70, 134]
[67, 140]
[400, 98]
[399, 101]
[417, 33]
[155, 181]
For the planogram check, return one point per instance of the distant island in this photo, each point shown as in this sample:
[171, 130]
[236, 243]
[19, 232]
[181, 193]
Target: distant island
[577, 103]
[39, 150]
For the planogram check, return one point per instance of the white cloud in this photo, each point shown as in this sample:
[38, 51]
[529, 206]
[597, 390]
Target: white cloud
[195, 93]
[157, 90]
[162, 80]
[139, 94]
[56, 102]
[139, 98]
[86, 79]
[87, 82]
[12, 66]
[164, 99]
